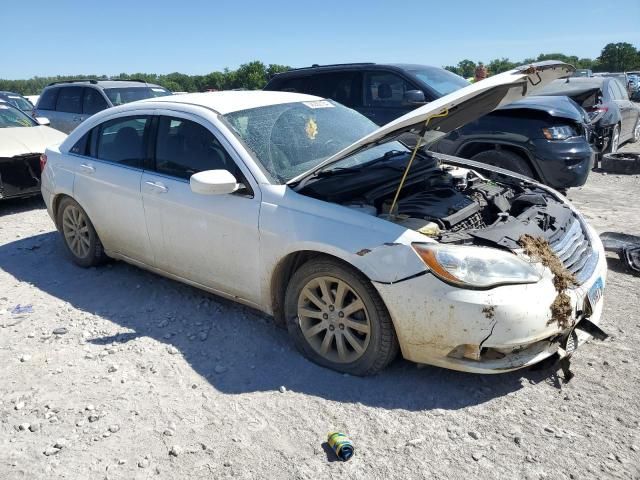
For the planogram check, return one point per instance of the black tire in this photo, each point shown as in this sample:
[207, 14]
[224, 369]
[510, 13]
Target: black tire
[382, 344]
[626, 163]
[93, 253]
[505, 159]
[614, 134]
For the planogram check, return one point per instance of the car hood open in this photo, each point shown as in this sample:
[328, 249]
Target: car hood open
[452, 111]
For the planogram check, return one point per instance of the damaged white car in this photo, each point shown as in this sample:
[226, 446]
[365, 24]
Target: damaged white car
[359, 243]
[22, 141]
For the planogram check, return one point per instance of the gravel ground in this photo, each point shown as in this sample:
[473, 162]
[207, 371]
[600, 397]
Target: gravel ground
[118, 373]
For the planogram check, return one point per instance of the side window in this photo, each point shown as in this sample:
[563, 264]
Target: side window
[70, 100]
[121, 140]
[292, 85]
[343, 87]
[48, 99]
[81, 146]
[622, 90]
[184, 147]
[93, 101]
[385, 89]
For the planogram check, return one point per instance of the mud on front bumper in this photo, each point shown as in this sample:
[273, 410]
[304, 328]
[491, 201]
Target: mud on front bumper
[487, 331]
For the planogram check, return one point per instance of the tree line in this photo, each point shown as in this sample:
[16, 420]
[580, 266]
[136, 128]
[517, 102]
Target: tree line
[615, 57]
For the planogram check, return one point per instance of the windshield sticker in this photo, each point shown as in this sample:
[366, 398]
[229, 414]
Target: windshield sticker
[311, 129]
[13, 96]
[4, 107]
[318, 104]
[157, 89]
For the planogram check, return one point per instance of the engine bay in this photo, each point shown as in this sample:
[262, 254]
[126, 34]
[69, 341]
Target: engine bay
[457, 205]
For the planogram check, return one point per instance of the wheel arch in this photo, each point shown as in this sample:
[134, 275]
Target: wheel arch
[284, 270]
[55, 204]
[469, 149]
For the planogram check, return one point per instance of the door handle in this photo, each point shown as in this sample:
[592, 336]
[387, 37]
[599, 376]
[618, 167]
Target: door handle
[87, 168]
[161, 187]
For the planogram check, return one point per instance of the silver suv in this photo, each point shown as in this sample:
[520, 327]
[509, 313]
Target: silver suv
[68, 103]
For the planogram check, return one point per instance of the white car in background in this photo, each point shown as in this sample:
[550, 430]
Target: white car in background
[287, 203]
[22, 141]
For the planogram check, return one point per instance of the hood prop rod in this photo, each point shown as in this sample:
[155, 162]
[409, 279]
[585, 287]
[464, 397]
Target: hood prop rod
[413, 156]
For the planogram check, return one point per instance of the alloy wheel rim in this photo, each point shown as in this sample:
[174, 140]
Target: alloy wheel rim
[76, 231]
[615, 140]
[334, 319]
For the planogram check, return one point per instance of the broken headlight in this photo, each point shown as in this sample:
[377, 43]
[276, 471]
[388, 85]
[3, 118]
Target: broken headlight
[559, 132]
[475, 267]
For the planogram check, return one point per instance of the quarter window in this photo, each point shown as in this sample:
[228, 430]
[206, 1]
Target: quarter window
[383, 89]
[184, 147]
[70, 100]
[93, 101]
[122, 141]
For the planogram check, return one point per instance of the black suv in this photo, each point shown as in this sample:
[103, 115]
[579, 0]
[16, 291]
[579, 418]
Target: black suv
[542, 137]
[68, 103]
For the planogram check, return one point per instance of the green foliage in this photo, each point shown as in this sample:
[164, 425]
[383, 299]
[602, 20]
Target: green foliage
[251, 76]
[615, 57]
[618, 57]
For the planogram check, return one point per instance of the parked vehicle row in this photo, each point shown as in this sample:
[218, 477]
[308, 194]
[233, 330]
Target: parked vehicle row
[543, 138]
[361, 244]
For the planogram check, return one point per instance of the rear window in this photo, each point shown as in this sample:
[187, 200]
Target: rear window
[47, 100]
[122, 95]
[70, 100]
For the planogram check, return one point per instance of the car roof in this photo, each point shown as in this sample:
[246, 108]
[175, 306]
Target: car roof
[104, 83]
[229, 101]
[351, 66]
[7, 92]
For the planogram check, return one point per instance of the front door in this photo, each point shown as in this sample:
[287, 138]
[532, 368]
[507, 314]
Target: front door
[384, 96]
[212, 240]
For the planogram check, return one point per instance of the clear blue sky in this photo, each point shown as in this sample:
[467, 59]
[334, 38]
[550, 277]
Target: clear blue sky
[49, 37]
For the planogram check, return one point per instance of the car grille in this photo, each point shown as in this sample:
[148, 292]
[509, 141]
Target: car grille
[575, 252]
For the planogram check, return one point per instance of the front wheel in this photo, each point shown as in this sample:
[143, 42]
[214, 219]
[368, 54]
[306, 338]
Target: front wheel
[78, 234]
[505, 159]
[337, 319]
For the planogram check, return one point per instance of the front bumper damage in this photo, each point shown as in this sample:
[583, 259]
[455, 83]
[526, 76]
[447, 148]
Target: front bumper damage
[20, 176]
[490, 331]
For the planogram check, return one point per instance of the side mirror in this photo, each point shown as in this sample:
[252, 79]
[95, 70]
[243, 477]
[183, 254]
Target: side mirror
[414, 97]
[213, 182]
[43, 121]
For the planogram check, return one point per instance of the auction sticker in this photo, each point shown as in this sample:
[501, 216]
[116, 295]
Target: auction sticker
[318, 104]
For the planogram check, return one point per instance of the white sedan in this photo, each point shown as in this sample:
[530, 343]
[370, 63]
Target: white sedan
[360, 244]
[22, 141]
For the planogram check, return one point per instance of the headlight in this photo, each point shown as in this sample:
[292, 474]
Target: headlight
[559, 133]
[475, 266]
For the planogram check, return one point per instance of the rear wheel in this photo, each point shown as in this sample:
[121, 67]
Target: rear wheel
[505, 159]
[636, 132]
[614, 141]
[337, 319]
[78, 234]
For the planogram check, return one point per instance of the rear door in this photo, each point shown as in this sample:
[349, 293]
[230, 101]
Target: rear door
[69, 108]
[344, 87]
[108, 172]
[46, 106]
[384, 96]
[212, 240]
[628, 110]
